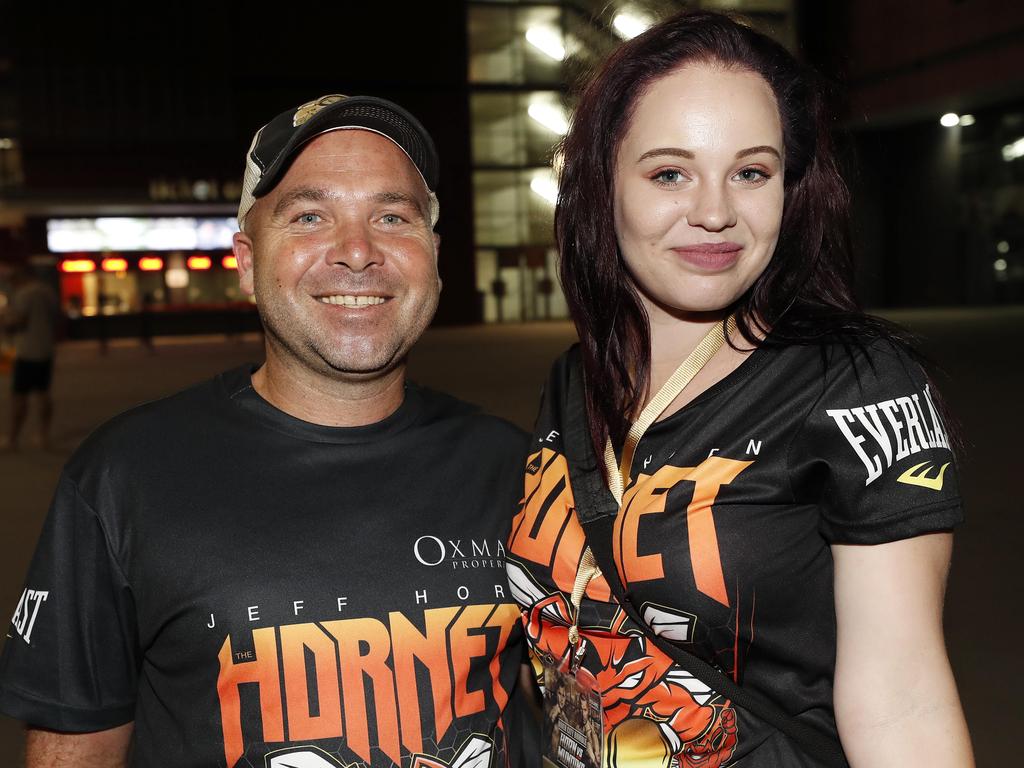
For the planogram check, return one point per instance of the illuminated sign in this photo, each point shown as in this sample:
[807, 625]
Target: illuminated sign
[138, 234]
[77, 265]
[112, 264]
[199, 262]
[229, 262]
[151, 263]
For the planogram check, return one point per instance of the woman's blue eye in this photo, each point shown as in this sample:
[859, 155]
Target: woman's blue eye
[669, 176]
[752, 174]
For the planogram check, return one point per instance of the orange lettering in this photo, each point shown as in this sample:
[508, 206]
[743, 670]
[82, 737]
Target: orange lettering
[295, 640]
[351, 634]
[264, 672]
[505, 618]
[432, 651]
[648, 496]
[645, 497]
[559, 539]
[708, 478]
[548, 500]
[465, 647]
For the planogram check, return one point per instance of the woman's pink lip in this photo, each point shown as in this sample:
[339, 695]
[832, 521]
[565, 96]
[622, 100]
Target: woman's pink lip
[709, 248]
[710, 257]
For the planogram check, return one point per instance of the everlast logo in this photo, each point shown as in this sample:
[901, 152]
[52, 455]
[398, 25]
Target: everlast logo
[25, 614]
[887, 432]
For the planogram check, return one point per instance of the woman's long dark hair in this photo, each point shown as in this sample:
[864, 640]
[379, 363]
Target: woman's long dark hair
[805, 294]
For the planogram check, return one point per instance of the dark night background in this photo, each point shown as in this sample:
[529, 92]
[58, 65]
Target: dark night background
[105, 101]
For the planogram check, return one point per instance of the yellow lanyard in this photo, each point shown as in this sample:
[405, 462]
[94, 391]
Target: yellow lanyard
[619, 475]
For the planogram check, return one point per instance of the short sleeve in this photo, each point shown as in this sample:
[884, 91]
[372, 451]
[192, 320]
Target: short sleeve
[874, 452]
[70, 659]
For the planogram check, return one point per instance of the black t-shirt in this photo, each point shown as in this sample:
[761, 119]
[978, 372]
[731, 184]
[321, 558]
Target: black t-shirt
[723, 542]
[247, 586]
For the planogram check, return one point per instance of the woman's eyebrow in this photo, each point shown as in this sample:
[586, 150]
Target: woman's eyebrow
[689, 155]
[758, 150]
[668, 152]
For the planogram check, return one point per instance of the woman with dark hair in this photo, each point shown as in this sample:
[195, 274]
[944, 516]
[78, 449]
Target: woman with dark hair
[735, 532]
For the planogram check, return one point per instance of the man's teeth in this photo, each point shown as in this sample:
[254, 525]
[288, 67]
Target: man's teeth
[352, 301]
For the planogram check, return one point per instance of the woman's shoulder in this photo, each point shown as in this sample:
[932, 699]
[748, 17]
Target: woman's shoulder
[837, 358]
[564, 368]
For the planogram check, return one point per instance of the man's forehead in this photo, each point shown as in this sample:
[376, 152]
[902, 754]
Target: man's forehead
[351, 162]
[349, 169]
[348, 165]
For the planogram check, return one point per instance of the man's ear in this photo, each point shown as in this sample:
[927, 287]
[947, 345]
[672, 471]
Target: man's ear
[437, 253]
[242, 245]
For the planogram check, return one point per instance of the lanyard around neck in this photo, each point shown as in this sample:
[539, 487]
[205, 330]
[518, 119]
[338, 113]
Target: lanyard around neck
[619, 474]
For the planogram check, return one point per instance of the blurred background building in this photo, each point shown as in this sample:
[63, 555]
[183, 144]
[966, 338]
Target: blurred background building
[122, 138]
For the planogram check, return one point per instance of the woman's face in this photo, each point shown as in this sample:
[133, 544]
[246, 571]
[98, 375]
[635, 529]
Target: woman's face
[698, 188]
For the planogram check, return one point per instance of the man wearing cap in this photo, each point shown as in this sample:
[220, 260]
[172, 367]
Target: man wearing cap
[299, 564]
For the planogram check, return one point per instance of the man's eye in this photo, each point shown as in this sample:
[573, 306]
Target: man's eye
[391, 218]
[308, 218]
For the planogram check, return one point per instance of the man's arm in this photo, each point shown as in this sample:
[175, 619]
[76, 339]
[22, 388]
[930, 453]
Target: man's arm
[100, 749]
[895, 699]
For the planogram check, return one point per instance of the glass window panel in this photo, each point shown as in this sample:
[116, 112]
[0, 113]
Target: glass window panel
[505, 134]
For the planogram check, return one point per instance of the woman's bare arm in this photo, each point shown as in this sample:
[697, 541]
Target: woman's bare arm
[896, 701]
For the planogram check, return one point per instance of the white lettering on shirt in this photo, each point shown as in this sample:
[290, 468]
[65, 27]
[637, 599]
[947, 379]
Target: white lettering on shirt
[27, 612]
[884, 433]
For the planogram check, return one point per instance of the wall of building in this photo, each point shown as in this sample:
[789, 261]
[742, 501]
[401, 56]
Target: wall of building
[153, 113]
[935, 206]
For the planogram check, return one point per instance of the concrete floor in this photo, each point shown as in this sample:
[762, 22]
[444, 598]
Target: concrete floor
[503, 368]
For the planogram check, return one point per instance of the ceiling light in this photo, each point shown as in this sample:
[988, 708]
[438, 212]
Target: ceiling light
[949, 119]
[1013, 151]
[966, 120]
[547, 40]
[551, 116]
[544, 185]
[629, 24]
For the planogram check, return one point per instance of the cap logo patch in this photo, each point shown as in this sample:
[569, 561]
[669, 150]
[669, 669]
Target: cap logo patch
[310, 108]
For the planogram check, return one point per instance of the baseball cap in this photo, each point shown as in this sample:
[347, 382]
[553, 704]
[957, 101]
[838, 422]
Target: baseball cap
[276, 143]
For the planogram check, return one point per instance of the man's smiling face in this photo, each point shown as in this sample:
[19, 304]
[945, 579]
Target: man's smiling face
[341, 257]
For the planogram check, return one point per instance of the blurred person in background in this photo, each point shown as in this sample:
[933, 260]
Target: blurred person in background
[31, 317]
[301, 562]
[751, 480]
